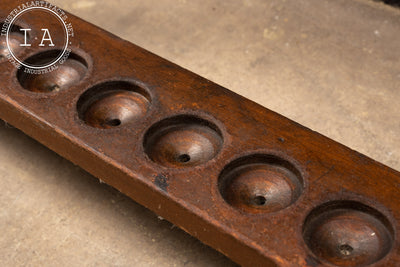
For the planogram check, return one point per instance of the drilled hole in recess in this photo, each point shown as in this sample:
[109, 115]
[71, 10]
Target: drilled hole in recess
[113, 122]
[260, 200]
[182, 141]
[16, 37]
[345, 249]
[260, 183]
[112, 104]
[348, 233]
[68, 74]
[184, 158]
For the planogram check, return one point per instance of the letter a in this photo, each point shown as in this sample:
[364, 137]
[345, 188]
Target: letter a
[46, 39]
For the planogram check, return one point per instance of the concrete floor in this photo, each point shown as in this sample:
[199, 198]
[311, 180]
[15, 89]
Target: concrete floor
[331, 65]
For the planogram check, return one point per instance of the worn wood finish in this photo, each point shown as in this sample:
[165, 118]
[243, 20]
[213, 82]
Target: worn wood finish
[258, 187]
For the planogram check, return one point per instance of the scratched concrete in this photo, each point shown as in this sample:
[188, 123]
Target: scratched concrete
[331, 65]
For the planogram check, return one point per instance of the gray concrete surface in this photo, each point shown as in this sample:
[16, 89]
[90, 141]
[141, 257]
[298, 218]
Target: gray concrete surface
[331, 65]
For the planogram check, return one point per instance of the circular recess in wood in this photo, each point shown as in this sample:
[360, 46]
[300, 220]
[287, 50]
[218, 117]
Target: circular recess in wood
[68, 74]
[182, 141]
[112, 104]
[348, 233]
[16, 37]
[260, 183]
